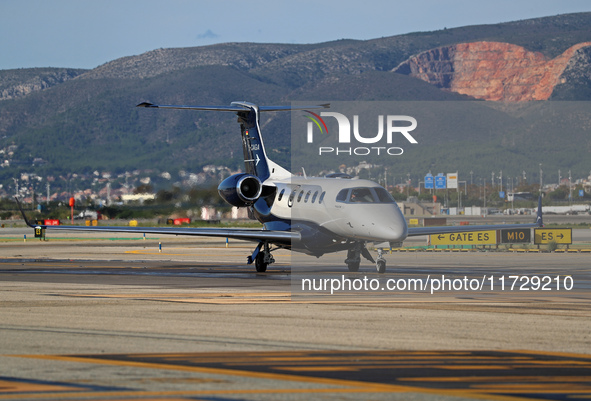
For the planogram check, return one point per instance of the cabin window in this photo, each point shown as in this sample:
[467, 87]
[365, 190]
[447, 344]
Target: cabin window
[300, 196]
[342, 195]
[307, 196]
[314, 196]
[321, 197]
[291, 197]
[280, 195]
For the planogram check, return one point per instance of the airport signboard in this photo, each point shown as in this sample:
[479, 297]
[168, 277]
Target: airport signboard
[440, 181]
[39, 232]
[516, 236]
[452, 180]
[429, 181]
[559, 235]
[467, 238]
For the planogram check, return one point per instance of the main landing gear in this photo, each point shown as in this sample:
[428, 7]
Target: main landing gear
[354, 258]
[261, 258]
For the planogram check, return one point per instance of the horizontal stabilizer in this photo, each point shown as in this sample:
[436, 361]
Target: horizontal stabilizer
[206, 108]
[235, 107]
[288, 108]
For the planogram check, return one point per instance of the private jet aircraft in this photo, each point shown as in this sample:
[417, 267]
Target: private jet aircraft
[313, 215]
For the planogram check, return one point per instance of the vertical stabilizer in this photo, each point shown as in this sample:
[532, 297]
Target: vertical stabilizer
[256, 161]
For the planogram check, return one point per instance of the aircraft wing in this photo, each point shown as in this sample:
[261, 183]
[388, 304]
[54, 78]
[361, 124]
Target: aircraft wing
[252, 234]
[236, 233]
[414, 231]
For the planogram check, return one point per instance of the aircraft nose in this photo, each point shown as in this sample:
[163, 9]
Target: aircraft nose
[397, 227]
[391, 227]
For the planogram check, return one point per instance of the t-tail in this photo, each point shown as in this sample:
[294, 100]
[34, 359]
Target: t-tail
[256, 162]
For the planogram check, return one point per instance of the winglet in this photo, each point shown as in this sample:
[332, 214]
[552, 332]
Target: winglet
[27, 222]
[146, 104]
[539, 220]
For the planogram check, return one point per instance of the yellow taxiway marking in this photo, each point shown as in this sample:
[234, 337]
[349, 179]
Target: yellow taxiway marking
[245, 298]
[140, 393]
[269, 297]
[485, 387]
[350, 385]
[9, 386]
[205, 298]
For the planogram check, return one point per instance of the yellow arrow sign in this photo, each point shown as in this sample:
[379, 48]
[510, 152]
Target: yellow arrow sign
[558, 235]
[467, 238]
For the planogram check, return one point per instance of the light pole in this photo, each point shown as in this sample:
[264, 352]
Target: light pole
[512, 194]
[485, 211]
[570, 195]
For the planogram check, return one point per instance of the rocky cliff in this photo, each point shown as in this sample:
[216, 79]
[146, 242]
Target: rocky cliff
[495, 71]
[21, 82]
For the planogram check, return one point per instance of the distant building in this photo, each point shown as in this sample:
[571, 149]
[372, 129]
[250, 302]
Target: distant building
[141, 198]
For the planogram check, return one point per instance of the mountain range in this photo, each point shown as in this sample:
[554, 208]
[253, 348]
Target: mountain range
[61, 120]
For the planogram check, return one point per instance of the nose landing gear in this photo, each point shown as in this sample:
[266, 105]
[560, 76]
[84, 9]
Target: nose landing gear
[354, 258]
[381, 262]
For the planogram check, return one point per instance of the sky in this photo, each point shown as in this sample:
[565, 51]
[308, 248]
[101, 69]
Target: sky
[86, 34]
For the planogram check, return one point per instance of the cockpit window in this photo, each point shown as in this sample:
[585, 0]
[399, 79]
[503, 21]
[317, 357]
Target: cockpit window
[281, 195]
[384, 196]
[361, 195]
[365, 195]
[342, 195]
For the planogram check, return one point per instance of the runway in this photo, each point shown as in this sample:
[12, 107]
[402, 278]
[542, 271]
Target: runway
[117, 319]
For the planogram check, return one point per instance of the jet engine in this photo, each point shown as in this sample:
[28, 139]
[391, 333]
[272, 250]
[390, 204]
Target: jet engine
[240, 189]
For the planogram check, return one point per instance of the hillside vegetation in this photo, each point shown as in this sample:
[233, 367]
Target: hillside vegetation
[58, 121]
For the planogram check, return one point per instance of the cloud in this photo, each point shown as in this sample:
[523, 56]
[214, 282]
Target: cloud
[209, 34]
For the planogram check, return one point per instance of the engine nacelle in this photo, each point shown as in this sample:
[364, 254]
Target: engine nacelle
[240, 189]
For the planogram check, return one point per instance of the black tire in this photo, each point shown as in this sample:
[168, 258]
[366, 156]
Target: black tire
[259, 263]
[353, 266]
[381, 266]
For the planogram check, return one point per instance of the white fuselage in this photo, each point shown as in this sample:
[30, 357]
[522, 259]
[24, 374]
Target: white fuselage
[373, 218]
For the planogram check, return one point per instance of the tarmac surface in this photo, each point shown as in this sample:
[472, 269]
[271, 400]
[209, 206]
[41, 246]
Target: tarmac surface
[114, 317]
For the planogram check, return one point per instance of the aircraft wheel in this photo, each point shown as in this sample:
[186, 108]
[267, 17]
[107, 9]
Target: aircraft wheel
[381, 266]
[260, 264]
[354, 266]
